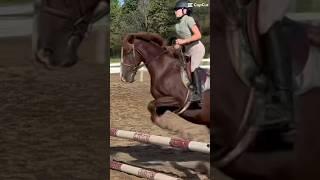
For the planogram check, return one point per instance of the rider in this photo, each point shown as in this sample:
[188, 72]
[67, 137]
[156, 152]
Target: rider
[189, 36]
[275, 50]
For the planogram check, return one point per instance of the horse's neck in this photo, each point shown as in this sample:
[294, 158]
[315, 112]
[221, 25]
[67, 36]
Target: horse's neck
[160, 69]
[148, 51]
[150, 56]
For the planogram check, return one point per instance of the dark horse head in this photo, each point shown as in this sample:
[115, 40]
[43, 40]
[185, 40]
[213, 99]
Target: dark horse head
[60, 26]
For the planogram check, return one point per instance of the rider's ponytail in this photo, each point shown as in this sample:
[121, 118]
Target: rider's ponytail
[198, 24]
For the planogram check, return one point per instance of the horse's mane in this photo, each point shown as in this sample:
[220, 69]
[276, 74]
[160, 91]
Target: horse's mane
[150, 37]
[146, 36]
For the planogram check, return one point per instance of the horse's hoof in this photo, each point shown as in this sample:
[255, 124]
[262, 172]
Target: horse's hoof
[43, 59]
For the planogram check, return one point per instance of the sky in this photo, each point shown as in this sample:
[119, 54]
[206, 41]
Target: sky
[121, 2]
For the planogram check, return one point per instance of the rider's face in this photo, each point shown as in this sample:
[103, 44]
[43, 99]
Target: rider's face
[179, 12]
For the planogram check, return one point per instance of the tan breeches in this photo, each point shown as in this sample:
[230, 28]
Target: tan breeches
[196, 52]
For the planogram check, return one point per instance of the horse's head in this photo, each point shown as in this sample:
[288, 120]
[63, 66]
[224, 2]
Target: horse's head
[138, 47]
[59, 28]
[130, 59]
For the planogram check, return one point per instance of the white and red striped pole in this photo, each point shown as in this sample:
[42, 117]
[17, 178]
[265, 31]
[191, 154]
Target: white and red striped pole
[140, 171]
[161, 140]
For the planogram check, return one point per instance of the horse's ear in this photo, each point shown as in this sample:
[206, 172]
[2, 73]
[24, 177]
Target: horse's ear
[130, 38]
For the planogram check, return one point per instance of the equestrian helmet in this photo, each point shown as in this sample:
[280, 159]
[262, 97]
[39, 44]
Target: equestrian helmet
[183, 4]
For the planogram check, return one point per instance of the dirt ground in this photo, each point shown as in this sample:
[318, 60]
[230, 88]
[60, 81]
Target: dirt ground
[52, 123]
[128, 111]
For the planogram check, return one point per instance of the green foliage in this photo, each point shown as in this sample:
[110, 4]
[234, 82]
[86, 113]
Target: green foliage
[114, 28]
[161, 17]
[129, 5]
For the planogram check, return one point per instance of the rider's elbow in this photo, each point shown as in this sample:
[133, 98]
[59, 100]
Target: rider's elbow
[198, 36]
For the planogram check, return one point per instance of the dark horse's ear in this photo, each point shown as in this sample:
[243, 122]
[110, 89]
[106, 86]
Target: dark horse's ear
[172, 41]
[130, 38]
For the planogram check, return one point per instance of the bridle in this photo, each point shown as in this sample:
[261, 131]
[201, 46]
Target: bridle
[133, 68]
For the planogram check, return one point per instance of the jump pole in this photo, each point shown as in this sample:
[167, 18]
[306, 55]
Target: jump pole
[161, 140]
[140, 171]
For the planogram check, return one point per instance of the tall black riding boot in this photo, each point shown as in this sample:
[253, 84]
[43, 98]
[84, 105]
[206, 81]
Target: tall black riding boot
[196, 95]
[279, 113]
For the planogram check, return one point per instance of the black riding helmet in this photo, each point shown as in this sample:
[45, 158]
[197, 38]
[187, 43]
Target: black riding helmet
[183, 4]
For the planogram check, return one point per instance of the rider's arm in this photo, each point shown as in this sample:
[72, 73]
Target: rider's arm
[196, 35]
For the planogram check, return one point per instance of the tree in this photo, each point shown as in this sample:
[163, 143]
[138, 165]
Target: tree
[129, 6]
[161, 17]
[115, 27]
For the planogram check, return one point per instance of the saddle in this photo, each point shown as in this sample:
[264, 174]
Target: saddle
[185, 71]
[185, 62]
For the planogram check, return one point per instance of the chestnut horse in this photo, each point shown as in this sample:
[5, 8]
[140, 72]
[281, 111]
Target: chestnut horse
[241, 152]
[167, 87]
[59, 28]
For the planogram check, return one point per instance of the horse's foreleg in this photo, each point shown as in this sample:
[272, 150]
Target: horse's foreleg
[155, 118]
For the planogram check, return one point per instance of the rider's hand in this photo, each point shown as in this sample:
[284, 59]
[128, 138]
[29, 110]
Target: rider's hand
[177, 46]
[180, 41]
